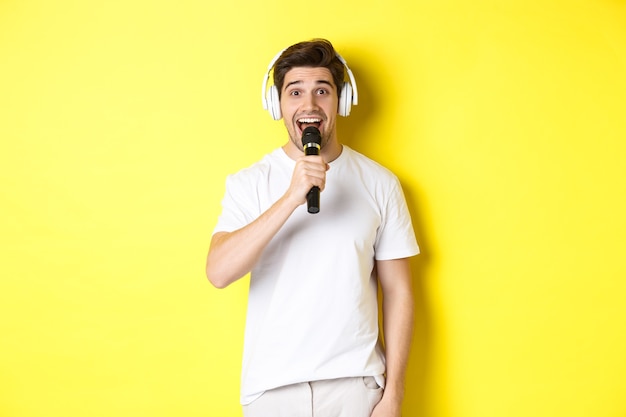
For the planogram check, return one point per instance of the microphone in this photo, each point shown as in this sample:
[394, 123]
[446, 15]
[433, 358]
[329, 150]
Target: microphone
[311, 142]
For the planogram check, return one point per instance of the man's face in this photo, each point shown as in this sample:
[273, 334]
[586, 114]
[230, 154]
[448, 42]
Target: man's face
[309, 98]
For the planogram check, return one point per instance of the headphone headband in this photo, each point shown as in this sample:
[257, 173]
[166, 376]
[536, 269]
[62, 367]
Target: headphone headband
[267, 76]
[348, 94]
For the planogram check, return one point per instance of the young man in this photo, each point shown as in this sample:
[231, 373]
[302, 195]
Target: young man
[312, 343]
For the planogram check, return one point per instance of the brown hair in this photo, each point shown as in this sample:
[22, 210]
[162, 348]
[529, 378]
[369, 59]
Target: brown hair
[313, 53]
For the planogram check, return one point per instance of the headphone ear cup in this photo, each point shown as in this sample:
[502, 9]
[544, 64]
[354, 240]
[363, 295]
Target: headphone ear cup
[345, 100]
[273, 103]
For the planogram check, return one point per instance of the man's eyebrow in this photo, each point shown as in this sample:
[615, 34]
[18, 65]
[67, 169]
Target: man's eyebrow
[325, 82]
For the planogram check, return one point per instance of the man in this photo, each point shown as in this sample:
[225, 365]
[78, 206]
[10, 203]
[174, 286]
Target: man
[312, 344]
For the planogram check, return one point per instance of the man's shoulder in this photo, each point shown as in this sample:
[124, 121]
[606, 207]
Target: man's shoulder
[368, 164]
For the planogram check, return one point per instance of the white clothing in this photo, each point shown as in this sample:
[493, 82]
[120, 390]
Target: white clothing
[312, 306]
[342, 397]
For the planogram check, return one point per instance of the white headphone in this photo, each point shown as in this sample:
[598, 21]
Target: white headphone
[348, 95]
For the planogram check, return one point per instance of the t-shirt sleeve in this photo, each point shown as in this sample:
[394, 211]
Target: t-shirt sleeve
[396, 237]
[238, 208]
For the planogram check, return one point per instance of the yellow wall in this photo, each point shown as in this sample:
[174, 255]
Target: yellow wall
[119, 120]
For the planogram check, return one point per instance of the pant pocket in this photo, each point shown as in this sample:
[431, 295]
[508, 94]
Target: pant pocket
[370, 382]
[373, 391]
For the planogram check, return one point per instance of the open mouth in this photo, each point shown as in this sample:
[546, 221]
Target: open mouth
[305, 122]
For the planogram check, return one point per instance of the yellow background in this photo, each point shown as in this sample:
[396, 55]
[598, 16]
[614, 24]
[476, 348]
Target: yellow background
[119, 120]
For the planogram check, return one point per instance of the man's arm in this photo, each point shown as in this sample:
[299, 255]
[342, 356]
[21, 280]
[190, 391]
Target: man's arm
[396, 285]
[233, 254]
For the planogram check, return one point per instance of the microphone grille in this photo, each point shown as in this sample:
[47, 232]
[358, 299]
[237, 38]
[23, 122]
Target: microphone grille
[311, 134]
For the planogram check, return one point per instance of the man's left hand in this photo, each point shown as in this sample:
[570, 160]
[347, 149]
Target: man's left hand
[387, 408]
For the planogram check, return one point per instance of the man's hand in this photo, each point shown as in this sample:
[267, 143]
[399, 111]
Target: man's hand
[387, 408]
[310, 171]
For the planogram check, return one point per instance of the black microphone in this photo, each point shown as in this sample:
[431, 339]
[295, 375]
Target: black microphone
[311, 142]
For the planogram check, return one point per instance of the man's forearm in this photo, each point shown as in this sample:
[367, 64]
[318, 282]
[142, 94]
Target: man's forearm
[398, 310]
[398, 331]
[234, 254]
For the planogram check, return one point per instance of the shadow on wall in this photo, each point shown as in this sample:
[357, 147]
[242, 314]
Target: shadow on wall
[352, 130]
[415, 402]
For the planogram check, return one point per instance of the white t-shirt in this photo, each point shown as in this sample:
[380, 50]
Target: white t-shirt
[312, 306]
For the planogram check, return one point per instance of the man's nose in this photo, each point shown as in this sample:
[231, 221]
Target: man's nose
[310, 102]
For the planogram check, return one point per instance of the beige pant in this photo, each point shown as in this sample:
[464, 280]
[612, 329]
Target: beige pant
[345, 397]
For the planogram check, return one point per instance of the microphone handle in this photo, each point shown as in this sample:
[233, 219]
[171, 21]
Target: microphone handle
[313, 200]
[313, 196]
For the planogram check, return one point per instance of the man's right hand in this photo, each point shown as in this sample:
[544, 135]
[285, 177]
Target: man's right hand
[309, 172]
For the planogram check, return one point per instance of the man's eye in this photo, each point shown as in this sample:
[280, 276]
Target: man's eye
[294, 93]
[321, 91]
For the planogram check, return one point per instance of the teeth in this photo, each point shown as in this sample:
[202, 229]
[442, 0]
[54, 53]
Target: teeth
[309, 120]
